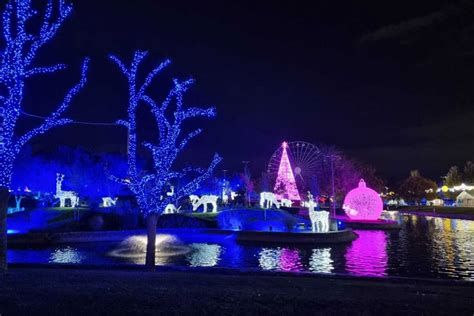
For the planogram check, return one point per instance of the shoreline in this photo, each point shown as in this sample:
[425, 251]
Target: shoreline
[59, 291]
[437, 214]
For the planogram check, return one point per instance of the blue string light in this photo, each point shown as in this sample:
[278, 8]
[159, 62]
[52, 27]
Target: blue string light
[16, 66]
[150, 188]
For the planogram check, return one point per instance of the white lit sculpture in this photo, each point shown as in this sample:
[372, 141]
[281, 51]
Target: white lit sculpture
[268, 199]
[65, 195]
[170, 193]
[225, 197]
[286, 203]
[319, 219]
[233, 195]
[108, 201]
[197, 201]
[171, 209]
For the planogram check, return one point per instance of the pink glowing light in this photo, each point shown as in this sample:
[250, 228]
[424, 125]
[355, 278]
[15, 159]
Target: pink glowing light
[285, 186]
[290, 260]
[363, 203]
[367, 256]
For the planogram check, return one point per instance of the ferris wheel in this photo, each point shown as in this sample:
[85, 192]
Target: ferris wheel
[305, 159]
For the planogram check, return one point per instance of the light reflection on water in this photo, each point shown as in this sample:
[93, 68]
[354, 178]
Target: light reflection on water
[320, 261]
[368, 254]
[67, 255]
[204, 255]
[424, 247]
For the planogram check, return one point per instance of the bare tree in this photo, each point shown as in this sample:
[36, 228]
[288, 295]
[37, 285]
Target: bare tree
[149, 187]
[17, 59]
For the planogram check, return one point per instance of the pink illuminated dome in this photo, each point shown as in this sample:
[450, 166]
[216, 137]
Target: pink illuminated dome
[363, 203]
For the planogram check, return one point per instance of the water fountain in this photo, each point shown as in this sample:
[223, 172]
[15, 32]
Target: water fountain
[133, 249]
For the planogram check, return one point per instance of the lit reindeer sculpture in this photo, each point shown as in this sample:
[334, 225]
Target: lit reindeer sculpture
[286, 203]
[197, 201]
[108, 201]
[65, 195]
[268, 199]
[171, 209]
[319, 219]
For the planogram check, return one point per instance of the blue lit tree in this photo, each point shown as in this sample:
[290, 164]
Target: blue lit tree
[23, 39]
[149, 187]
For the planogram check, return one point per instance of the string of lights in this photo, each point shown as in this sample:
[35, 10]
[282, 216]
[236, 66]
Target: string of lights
[149, 188]
[75, 121]
[21, 45]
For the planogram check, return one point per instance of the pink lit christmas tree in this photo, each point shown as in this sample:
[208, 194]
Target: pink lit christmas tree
[285, 185]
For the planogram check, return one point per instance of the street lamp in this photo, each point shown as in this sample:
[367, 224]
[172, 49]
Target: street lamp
[332, 157]
[247, 176]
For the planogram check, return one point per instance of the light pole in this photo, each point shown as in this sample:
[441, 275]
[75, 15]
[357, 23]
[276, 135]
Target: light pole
[333, 190]
[247, 178]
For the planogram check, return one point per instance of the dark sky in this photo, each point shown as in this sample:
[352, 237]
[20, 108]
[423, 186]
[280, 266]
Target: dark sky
[388, 82]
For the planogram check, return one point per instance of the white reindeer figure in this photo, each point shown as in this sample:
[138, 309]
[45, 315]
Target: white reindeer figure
[65, 195]
[225, 197]
[233, 195]
[171, 209]
[108, 201]
[170, 193]
[286, 203]
[268, 199]
[319, 219]
[197, 201]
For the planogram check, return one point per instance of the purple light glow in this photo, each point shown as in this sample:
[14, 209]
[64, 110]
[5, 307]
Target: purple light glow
[290, 260]
[367, 255]
[363, 203]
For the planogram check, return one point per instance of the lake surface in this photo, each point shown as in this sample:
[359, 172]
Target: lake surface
[428, 247]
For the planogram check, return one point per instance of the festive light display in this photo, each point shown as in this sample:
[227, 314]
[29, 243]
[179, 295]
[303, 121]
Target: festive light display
[16, 67]
[65, 195]
[197, 201]
[319, 219]
[108, 201]
[462, 187]
[285, 185]
[286, 203]
[363, 203]
[149, 188]
[268, 199]
[171, 209]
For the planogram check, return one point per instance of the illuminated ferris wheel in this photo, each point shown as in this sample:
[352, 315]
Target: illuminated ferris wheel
[305, 159]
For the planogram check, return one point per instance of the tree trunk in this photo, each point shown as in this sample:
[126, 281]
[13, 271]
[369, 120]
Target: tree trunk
[4, 196]
[151, 240]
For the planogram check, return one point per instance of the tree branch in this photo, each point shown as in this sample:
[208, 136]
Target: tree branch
[120, 64]
[45, 70]
[152, 75]
[194, 185]
[53, 120]
[188, 137]
[195, 112]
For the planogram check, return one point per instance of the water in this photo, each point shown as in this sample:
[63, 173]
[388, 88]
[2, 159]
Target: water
[425, 247]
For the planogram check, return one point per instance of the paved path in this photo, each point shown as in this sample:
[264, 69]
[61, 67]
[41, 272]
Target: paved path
[32, 291]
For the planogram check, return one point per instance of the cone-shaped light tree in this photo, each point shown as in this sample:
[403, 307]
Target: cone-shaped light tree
[24, 35]
[285, 185]
[149, 187]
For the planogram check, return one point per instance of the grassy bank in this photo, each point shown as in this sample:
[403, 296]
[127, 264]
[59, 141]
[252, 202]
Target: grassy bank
[92, 292]
[442, 210]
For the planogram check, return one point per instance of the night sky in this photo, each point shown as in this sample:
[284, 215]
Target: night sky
[388, 82]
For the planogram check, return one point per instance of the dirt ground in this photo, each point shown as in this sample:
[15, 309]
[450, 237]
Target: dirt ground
[58, 291]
